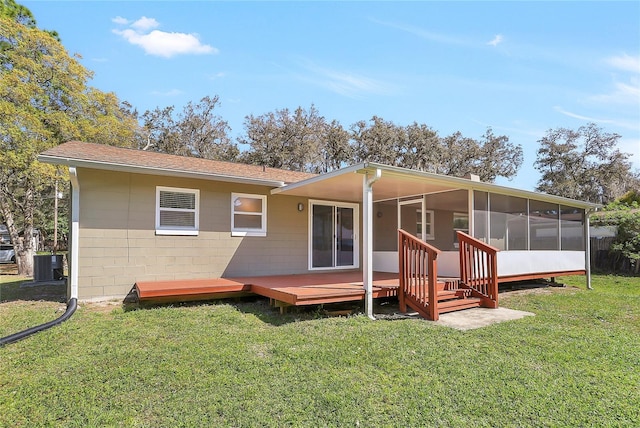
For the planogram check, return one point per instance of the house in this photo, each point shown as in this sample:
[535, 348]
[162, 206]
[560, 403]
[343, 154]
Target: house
[142, 216]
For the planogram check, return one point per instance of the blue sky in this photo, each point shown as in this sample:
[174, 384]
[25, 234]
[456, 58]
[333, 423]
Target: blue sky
[519, 67]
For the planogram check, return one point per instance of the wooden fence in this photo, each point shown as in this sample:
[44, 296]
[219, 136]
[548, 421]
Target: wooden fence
[604, 261]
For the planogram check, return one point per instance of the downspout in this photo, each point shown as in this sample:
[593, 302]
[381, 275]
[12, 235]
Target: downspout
[587, 247]
[75, 233]
[367, 241]
[72, 303]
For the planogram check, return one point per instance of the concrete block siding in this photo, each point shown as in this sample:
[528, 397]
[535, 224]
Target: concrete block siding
[119, 246]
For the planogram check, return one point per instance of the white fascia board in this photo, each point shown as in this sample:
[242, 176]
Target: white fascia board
[79, 163]
[322, 177]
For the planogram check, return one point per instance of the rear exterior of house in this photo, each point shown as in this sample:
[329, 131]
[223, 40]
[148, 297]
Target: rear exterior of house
[140, 216]
[125, 234]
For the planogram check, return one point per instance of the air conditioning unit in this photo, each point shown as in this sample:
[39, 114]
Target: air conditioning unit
[43, 268]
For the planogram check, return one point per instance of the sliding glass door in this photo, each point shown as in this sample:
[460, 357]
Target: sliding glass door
[333, 235]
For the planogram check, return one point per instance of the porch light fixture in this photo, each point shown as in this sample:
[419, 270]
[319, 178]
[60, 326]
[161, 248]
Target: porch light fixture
[300, 206]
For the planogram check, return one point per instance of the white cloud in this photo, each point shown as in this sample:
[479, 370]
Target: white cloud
[496, 40]
[626, 81]
[625, 62]
[145, 24]
[581, 117]
[344, 83]
[630, 123]
[161, 43]
[424, 34]
[120, 20]
[622, 93]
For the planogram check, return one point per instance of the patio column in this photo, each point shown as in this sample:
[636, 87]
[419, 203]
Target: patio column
[587, 248]
[367, 239]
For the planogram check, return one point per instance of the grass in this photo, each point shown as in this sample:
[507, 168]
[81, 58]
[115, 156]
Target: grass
[576, 363]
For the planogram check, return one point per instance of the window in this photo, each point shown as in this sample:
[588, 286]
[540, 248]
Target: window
[460, 223]
[571, 229]
[177, 211]
[543, 225]
[248, 215]
[427, 230]
[414, 220]
[508, 222]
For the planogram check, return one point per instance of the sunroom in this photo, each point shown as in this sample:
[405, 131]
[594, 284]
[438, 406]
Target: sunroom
[536, 234]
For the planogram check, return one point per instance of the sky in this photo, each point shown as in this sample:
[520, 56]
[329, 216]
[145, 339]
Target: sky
[521, 68]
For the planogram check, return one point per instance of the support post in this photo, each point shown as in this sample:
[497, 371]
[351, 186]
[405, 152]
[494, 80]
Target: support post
[587, 248]
[367, 239]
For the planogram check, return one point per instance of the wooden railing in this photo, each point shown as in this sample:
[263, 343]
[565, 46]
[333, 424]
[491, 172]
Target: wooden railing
[478, 269]
[418, 271]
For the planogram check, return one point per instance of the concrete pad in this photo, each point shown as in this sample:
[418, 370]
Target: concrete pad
[479, 317]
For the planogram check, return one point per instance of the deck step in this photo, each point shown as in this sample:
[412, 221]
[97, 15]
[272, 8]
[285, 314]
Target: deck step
[189, 287]
[458, 305]
[455, 293]
[447, 295]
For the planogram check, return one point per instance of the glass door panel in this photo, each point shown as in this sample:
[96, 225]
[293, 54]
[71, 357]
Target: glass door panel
[322, 236]
[333, 235]
[345, 235]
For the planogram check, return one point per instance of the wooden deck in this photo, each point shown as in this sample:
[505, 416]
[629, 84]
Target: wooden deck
[282, 290]
[189, 289]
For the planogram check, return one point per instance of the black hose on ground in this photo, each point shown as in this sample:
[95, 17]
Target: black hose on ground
[72, 305]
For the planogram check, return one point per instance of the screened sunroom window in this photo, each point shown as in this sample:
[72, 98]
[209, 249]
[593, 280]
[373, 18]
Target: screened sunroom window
[248, 215]
[543, 225]
[571, 228]
[177, 211]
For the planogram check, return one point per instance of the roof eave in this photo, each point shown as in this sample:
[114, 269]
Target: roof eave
[111, 166]
[458, 182]
[343, 171]
[486, 187]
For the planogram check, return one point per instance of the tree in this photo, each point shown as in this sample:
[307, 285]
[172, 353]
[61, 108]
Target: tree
[584, 164]
[380, 141]
[336, 151]
[196, 132]
[293, 141]
[624, 213]
[17, 13]
[460, 155]
[497, 158]
[421, 149]
[44, 101]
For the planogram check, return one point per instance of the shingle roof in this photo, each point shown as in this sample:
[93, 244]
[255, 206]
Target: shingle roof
[110, 157]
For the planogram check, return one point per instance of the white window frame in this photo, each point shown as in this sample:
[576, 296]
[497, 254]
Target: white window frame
[174, 230]
[243, 231]
[422, 220]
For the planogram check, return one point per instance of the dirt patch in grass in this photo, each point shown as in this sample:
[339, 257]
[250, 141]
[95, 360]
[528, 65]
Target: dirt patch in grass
[8, 269]
[101, 307]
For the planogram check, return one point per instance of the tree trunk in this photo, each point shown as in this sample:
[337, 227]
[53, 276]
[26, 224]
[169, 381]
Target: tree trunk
[24, 257]
[23, 245]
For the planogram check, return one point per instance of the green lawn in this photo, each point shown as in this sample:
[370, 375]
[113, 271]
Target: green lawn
[576, 363]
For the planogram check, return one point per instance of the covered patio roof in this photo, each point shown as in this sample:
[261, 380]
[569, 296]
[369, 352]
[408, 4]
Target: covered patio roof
[346, 184]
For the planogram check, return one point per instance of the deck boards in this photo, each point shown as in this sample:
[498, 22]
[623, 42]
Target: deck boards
[302, 289]
[188, 287]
